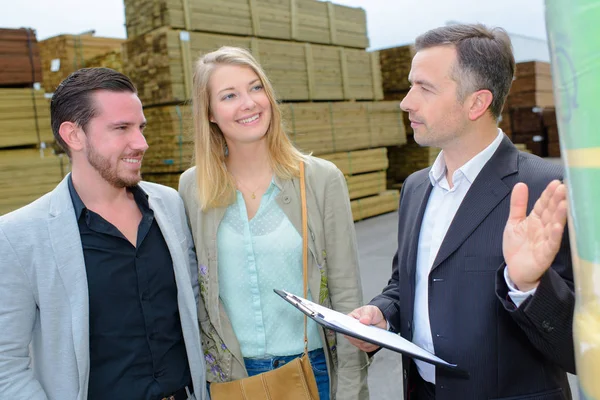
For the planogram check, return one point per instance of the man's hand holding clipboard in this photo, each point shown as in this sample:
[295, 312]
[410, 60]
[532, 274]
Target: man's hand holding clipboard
[368, 315]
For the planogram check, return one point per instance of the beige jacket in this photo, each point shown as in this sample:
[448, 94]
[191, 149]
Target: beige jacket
[332, 272]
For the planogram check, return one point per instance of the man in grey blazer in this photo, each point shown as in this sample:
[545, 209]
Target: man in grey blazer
[482, 276]
[98, 281]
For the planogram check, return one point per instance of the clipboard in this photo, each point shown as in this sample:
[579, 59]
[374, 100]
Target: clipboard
[349, 326]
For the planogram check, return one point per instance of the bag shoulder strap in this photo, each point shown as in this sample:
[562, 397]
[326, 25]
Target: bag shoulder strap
[304, 248]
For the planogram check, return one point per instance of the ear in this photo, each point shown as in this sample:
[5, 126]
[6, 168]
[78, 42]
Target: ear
[480, 103]
[72, 135]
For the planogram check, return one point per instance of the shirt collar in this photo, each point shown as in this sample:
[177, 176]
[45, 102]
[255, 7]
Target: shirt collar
[141, 198]
[471, 168]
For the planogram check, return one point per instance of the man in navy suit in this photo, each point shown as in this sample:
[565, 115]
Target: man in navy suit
[482, 277]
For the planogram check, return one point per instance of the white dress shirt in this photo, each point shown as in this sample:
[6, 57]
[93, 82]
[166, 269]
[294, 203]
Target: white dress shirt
[441, 209]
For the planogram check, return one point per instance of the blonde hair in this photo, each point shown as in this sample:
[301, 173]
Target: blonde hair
[216, 186]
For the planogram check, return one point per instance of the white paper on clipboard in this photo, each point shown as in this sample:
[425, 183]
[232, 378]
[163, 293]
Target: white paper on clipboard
[347, 325]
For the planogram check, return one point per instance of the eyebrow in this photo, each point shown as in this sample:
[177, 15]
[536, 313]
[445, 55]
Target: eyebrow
[232, 88]
[126, 123]
[422, 83]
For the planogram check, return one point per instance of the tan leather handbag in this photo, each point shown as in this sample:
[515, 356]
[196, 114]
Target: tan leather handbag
[293, 381]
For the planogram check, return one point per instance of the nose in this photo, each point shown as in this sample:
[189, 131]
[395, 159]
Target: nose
[139, 141]
[407, 103]
[248, 102]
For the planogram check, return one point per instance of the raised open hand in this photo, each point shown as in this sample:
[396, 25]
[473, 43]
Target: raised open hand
[530, 243]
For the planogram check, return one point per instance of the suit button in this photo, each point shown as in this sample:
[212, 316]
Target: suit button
[409, 325]
[405, 374]
[547, 327]
[287, 199]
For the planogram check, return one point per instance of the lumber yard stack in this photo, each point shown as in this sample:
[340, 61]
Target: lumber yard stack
[28, 166]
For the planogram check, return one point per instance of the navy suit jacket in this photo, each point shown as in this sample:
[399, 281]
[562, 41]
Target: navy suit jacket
[508, 352]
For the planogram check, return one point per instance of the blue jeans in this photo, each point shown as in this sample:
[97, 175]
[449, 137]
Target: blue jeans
[256, 366]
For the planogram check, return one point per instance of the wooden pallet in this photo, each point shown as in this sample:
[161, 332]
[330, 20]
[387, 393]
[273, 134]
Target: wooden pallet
[300, 20]
[64, 54]
[19, 58]
[160, 63]
[24, 118]
[27, 174]
[382, 203]
[320, 128]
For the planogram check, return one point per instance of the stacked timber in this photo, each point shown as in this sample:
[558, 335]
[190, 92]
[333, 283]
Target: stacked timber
[170, 139]
[365, 172]
[528, 128]
[343, 126]
[24, 118]
[404, 160]
[382, 203]
[112, 59]
[551, 126]
[19, 58]
[293, 20]
[505, 123]
[160, 63]
[395, 67]
[26, 174]
[64, 54]
[532, 86]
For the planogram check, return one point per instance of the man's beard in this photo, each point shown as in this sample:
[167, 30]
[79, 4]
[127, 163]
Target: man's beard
[107, 172]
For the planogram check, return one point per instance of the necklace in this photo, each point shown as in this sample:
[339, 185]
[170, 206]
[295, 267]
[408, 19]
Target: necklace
[252, 192]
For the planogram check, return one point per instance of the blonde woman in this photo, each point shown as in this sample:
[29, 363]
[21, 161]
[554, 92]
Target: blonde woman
[243, 203]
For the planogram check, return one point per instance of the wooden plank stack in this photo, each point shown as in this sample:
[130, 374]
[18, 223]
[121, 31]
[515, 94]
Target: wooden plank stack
[404, 160]
[112, 59]
[19, 58]
[365, 172]
[299, 20]
[528, 128]
[532, 86]
[24, 118]
[26, 174]
[395, 67]
[159, 63]
[551, 126]
[61, 55]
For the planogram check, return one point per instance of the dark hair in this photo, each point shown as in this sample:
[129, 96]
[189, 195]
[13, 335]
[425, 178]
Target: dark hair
[485, 59]
[72, 100]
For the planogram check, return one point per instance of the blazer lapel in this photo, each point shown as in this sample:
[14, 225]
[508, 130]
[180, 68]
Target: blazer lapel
[421, 194]
[483, 196]
[68, 253]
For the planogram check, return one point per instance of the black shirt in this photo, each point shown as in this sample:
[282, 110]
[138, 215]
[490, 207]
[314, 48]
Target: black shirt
[136, 343]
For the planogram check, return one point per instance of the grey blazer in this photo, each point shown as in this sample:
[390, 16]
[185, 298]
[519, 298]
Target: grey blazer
[44, 326]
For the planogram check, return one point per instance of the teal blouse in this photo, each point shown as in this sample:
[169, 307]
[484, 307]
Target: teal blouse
[256, 256]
